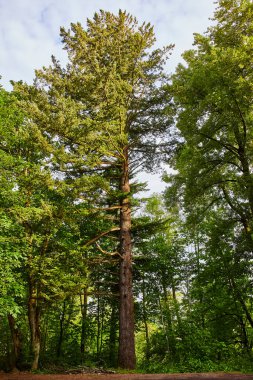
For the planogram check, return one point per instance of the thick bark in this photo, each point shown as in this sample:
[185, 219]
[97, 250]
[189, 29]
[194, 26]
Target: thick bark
[34, 323]
[127, 357]
[16, 342]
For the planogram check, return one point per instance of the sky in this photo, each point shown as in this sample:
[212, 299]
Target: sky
[29, 32]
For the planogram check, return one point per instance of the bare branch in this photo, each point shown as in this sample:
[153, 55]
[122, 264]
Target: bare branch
[93, 240]
[229, 147]
[106, 252]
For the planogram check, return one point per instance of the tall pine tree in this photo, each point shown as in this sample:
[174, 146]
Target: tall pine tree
[109, 114]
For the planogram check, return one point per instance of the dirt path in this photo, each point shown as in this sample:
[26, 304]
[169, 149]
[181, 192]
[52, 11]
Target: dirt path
[181, 376]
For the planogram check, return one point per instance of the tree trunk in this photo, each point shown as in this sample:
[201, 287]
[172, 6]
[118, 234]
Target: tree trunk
[17, 344]
[127, 357]
[62, 320]
[34, 323]
[163, 323]
[113, 335]
[239, 297]
[44, 330]
[101, 330]
[98, 325]
[169, 322]
[245, 341]
[84, 305]
[147, 351]
[177, 310]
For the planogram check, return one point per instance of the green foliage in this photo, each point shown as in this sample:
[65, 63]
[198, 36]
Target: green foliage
[64, 142]
[213, 185]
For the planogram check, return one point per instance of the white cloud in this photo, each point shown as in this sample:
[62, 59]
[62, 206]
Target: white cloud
[29, 30]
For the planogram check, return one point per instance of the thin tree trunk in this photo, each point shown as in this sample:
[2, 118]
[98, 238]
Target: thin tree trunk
[241, 141]
[169, 323]
[163, 323]
[62, 319]
[34, 323]
[112, 341]
[44, 334]
[98, 325]
[176, 307]
[102, 330]
[245, 340]
[84, 305]
[147, 353]
[127, 358]
[17, 344]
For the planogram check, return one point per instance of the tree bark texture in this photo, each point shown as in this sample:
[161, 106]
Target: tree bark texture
[127, 358]
[34, 323]
[16, 342]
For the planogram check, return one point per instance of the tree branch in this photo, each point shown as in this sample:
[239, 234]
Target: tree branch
[108, 253]
[93, 240]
